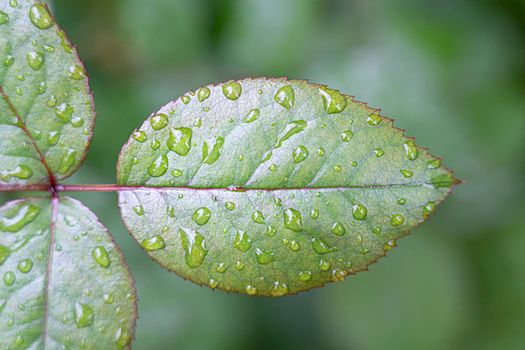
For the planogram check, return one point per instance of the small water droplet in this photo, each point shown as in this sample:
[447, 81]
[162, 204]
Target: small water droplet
[185, 99]
[232, 90]
[389, 245]
[35, 60]
[4, 253]
[338, 275]
[213, 283]
[9, 60]
[434, 164]
[139, 136]
[300, 154]
[203, 93]
[250, 290]
[229, 205]
[359, 211]
[242, 242]
[210, 157]
[84, 315]
[397, 220]
[374, 119]
[40, 17]
[271, 231]
[293, 220]
[4, 17]
[64, 111]
[314, 214]
[264, 257]
[123, 338]
[201, 216]
[338, 229]
[333, 101]
[402, 201]
[101, 256]
[239, 265]
[25, 265]
[320, 151]
[194, 247]
[139, 210]
[338, 168]
[305, 276]
[9, 278]
[179, 140]
[295, 246]
[321, 247]
[406, 173]
[252, 115]
[158, 121]
[443, 181]
[76, 72]
[159, 167]
[285, 97]
[428, 209]
[411, 150]
[347, 135]
[258, 217]
[324, 265]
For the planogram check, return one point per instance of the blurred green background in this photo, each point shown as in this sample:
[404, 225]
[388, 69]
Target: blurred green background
[452, 72]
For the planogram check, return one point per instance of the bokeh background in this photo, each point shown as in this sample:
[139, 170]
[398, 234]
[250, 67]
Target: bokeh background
[452, 72]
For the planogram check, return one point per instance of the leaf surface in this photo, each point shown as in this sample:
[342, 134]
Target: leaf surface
[46, 108]
[273, 186]
[64, 283]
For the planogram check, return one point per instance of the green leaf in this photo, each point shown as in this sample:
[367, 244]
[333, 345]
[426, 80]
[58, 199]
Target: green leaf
[64, 283]
[46, 108]
[273, 186]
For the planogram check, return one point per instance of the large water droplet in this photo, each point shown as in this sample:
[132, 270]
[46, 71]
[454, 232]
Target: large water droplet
[242, 242]
[411, 150]
[338, 229]
[84, 315]
[333, 101]
[76, 72]
[258, 217]
[20, 172]
[35, 60]
[210, 157]
[293, 220]
[374, 119]
[101, 256]
[194, 247]
[359, 211]
[232, 90]
[203, 93]
[443, 181]
[179, 140]
[40, 17]
[201, 216]
[252, 115]
[159, 167]
[158, 121]
[285, 97]
[299, 154]
[25, 265]
[321, 247]
[153, 243]
[264, 257]
[16, 219]
[397, 220]
[291, 129]
[67, 161]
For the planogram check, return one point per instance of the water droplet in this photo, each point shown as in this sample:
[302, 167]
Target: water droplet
[293, 220]
[229, 205]
[305, 276]
[411, 150]
[239, 265]
[359, 211]
[77, 122]
[291, 129]
[347, 135]
[252, 115]
[338, 229]
[101, 256]
[324, 265]
[272, 167]
[67, 161]
[9, 278]
[321, 247]
[338, 275]
[203, 93]
[185, 99]
[20, 172]
[4, 17]
[108, 298]
[314, 214]
[434, 164]
[338, 168]
[159, 167]
[271, 231]
[64, 111]
[389, 245]
[213, 283]
[123, 338]
[155, 144]
[428, 209]
[320, 151]
[16, 219]
[258, 217]
[300, 154]
[25, 265]
[402, 201]
[139, 210]
[76, 72]
[201, 216]
[40, 17]
[84, 315]
[4, 253]
[333, 101]
[406, 173]
[374, 119]
[35, 60]
[397, 220]
[264, 257]
[194, 247]
[19, 340]
[158, 121]
[443, 181]
[250, 290]
[285, 97]
[242, 242]
[139, 136]
[179, 140]
[232, 90]
[52, 101]
[379, 152]
[295, 246]
[211, 157]
[279, 289]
